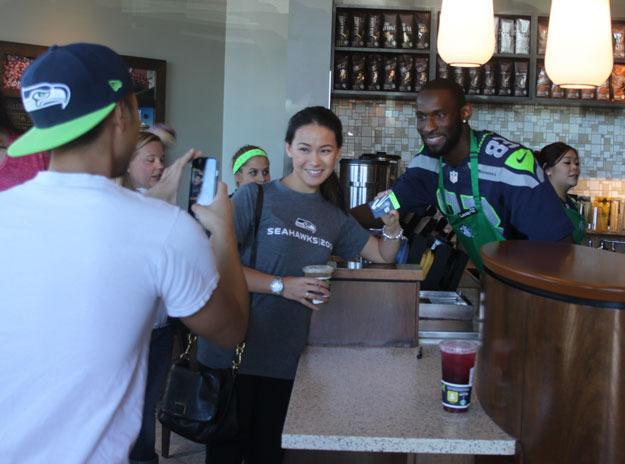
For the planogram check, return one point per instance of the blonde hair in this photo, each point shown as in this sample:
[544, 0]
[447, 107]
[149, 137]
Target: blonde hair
[145, 137]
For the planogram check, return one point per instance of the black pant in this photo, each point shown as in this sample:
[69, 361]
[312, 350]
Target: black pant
[262, 403]
[159, 361]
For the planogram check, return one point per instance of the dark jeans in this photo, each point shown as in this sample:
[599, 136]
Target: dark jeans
[262, 405]
[159, 361]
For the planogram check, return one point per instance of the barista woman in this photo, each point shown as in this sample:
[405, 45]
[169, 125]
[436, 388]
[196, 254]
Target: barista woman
[303, 222]
[561, 164]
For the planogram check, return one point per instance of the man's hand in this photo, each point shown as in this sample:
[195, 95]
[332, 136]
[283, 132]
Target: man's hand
[216, 217]
[167, 187]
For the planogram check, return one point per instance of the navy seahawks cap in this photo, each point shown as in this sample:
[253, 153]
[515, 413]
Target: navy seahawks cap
[67, 91]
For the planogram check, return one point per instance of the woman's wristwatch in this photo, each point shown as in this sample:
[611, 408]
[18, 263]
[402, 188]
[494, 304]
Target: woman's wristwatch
[277, 285]
[396, 236]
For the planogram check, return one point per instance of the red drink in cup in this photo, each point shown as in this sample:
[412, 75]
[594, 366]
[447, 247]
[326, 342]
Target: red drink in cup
[457, 362]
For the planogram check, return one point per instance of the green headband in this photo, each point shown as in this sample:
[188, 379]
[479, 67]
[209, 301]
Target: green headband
[245, 157]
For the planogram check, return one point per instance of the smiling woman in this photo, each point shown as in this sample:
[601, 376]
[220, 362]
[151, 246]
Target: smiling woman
[303, 222]
[561, 164]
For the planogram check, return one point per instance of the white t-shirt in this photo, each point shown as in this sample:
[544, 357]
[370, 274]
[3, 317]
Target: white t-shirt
[83, 264]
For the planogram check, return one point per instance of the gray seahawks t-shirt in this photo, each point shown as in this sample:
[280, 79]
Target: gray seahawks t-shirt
[296, 229]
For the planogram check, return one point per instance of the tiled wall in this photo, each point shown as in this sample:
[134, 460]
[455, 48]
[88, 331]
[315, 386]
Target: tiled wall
[598, 134]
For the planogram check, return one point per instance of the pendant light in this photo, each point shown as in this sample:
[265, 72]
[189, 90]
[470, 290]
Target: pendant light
[466, 34]
[579, 43]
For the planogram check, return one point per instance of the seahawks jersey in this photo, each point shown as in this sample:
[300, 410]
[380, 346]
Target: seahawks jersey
[514, 195]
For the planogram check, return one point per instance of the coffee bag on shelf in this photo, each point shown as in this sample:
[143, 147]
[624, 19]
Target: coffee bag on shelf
[618, 35]
[520, 78]
[358, 72]
[603, 91]
[341, 38]
[506, 35]
[490, 79]
[374, 72]
[358, 30]
[373, 30]
[571, 94]
[390, 73]
[543, 83]
[522, 36]
[423, 31]
[556, 91]
[442, 69]
[341, 71]
[589, 94]
[475, 81]
[543, 29]
[618, 82]
[505, 75]
[460, 77]
[421, 72]
[406, 66]
[406, 23]
[389, 30]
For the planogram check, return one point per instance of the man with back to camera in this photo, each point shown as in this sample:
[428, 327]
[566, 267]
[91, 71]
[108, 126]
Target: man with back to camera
[488, 188]
[84, 264]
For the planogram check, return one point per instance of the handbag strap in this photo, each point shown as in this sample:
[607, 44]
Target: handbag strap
[240, 348]
[258, 211]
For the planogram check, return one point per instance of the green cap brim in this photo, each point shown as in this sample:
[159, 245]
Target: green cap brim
[37, 140]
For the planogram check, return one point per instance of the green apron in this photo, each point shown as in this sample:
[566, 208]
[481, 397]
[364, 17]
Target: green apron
[471, 226]
[579, 224]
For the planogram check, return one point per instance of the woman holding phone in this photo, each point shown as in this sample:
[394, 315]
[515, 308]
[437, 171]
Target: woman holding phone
[303, 222]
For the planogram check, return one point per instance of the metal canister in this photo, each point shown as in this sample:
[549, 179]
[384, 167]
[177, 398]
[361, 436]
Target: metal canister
[362, 179]
[393, 161]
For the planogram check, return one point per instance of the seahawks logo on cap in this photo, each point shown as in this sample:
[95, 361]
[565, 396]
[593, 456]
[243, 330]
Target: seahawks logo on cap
[45, 95]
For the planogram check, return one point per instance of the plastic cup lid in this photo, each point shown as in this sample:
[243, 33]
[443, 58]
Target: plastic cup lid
[459, 346]
[318, 269]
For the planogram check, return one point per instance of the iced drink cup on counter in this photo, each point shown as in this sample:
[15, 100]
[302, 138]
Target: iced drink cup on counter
[318, 271]
[457, 362]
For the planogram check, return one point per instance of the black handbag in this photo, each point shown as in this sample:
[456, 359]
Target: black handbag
[201, 403]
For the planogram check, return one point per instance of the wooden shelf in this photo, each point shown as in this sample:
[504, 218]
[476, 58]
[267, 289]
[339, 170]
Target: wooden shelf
[578, 102]
[382, 94]
[511, 56]
[401, 51]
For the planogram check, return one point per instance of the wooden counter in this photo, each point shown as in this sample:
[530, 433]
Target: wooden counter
[551, 370]
[369, 307]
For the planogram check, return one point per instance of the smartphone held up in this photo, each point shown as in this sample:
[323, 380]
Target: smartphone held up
[204, 174]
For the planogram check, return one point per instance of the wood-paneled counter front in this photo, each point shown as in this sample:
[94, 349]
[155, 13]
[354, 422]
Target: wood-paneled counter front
[376, 306]
[551, 370]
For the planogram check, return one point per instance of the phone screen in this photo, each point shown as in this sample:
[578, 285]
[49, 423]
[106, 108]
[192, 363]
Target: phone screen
[204, 175]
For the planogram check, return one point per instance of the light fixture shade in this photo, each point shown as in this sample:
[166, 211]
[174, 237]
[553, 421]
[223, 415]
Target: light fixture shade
[579, 43]
[466, 34]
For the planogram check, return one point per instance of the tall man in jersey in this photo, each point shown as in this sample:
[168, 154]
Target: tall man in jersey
[489, 188]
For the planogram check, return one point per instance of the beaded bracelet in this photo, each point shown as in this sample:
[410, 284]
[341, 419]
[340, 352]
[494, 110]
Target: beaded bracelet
[397, 236]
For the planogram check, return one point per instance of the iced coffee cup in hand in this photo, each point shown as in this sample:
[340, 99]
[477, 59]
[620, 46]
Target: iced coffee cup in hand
[318, 271]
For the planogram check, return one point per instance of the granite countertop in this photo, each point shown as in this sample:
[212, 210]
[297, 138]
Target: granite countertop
[382, 400]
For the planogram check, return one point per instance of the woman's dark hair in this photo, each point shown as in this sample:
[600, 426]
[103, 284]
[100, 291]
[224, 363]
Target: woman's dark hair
[5, 121]
[330, 189]
[551, 154]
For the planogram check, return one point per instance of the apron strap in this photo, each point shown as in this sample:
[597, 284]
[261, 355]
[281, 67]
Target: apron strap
[475, 188]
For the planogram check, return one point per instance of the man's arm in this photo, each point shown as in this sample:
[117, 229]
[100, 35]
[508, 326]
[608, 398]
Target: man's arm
[223, 319]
